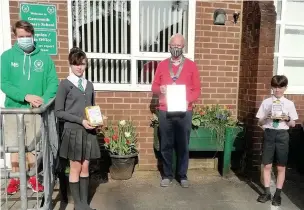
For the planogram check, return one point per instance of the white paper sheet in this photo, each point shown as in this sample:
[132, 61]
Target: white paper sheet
[176, 98]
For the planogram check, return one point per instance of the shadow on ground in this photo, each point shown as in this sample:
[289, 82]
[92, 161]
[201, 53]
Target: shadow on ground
[293, 188]
[294, 185]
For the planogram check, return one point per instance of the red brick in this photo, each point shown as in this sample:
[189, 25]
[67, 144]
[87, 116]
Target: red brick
[211, 57]
[233, 40]
[223, 90]
[115, 100]
[226, 46]
[218, 28]
[218, 62]
[217, 73]
[210, 45]
[218, 51]
[226, 34]
[221, 5]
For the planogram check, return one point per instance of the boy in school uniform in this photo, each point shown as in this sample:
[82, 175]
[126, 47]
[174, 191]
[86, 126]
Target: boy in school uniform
[276, 136]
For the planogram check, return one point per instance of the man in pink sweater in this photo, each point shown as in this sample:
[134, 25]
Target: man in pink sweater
[175, 127]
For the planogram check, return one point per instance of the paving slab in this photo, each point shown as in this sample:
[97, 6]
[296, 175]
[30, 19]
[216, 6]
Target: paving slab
[208, 191]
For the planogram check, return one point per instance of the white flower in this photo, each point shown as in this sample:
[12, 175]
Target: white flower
[127, 134]
[154, 117]
[122, 122]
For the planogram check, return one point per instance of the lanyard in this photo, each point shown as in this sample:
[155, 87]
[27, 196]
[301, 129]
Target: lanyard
[180, 68]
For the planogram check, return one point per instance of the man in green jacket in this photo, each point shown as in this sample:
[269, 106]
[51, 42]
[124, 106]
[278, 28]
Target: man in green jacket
[29, 79]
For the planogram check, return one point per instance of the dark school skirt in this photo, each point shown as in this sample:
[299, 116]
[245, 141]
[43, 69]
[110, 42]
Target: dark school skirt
[79, 144]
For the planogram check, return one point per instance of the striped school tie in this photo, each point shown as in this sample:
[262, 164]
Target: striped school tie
[80, 85]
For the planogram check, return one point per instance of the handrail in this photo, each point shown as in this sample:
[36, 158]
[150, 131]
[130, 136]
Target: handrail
[48, 151]
[38, 110]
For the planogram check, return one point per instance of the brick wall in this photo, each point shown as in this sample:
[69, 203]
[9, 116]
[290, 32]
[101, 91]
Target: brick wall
[216, 53]
[217, 50]
[217, 57]
[299, 102]
[256, 70]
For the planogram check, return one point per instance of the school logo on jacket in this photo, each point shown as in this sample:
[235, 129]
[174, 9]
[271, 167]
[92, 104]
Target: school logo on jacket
[38, 64]
[14, 64]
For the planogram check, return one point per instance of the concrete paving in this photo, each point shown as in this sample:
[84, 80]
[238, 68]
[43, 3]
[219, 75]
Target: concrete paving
[208, 191]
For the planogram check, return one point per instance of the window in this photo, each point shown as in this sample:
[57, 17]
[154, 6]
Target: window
[125, 40]
[289, 43]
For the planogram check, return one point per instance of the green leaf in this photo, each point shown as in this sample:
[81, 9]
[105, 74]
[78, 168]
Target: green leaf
[196, 122]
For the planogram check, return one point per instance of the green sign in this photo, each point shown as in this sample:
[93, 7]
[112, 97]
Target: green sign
[41, 16]
[46, 41]
[44, 19]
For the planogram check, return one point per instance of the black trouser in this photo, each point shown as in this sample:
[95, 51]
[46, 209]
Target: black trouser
[175, 131]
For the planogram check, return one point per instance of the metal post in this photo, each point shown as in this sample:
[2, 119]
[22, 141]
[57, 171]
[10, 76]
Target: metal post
[49, 152]
[47, 176]
[229, 139]
[4, 155]
[22, 162]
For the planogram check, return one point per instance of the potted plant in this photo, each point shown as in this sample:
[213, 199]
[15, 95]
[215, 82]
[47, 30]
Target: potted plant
[211, 124]
[120, 141]
[213, 129]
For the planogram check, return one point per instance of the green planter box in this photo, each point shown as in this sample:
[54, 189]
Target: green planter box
[203, 139]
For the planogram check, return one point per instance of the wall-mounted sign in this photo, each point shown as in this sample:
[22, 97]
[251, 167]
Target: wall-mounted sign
[46, 41]
[44, 19]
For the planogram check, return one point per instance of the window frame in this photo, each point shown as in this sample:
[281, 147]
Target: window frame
[280, 55]
[135, 54]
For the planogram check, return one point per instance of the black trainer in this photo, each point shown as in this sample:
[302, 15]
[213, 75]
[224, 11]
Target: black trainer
[264, 198]
[276, 201]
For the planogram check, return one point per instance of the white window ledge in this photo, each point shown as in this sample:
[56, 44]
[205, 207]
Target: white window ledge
[296, 90]
[122, 87]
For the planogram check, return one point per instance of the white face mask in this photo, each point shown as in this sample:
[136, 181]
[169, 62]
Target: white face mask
[26, 43]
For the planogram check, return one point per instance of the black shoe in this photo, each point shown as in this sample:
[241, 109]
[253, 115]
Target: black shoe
[276, 201]
[264, 198]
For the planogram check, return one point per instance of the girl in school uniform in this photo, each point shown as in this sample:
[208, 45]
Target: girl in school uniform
[79, 139]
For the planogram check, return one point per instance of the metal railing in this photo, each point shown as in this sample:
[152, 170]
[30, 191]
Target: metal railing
[44, 146]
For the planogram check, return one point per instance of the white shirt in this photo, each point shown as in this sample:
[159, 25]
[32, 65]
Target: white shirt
[74, 79]
[288, 108]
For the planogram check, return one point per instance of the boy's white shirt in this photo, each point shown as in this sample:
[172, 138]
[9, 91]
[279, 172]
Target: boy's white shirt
[288, 108]
[74, 79]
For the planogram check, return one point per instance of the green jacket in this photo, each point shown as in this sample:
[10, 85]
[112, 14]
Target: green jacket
[23, 74]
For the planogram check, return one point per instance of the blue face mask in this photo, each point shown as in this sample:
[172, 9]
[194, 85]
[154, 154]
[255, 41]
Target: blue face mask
[26, 43]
